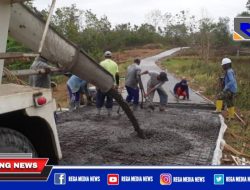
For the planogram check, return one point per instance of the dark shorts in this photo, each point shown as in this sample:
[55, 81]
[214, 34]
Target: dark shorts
[100, 100]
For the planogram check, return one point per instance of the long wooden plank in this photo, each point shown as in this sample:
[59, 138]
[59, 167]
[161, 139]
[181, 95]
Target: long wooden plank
[27, 72]
[16, 55]
[234, 151]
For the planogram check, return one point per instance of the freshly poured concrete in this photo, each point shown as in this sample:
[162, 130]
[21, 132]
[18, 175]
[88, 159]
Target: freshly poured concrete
[179, 136]
[176, 137]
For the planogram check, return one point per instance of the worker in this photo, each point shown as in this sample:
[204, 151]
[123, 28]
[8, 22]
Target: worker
[84, 90]
[181, 89]
[76, 87]
[131, 83]
[41, 80]
[157, 79]
[112, 67]
[229, 89]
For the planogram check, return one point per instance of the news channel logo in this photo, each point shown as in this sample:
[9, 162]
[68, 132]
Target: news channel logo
[218, 179]
[113, 179]
[241, 29]
[166, 179]
[60, 179]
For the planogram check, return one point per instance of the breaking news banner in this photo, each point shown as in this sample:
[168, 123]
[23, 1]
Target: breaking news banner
[34, 173]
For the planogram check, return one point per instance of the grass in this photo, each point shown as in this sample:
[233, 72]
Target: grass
[123, 68]
[204, 77]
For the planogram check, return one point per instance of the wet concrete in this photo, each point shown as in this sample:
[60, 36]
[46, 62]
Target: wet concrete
[180, 136]
[176, 137]
[122, 103]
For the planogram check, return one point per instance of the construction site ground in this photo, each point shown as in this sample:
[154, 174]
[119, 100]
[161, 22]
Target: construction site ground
[177, 137]
[183, 135]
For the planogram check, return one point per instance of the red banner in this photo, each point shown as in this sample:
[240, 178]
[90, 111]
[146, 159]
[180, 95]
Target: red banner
[22, 165]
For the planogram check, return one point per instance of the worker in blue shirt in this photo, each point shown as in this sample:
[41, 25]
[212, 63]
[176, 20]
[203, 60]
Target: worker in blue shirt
[75, 87]
[229, 89]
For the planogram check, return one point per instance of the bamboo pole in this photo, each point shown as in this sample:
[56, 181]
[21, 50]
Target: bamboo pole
[46, 26]
[16, 55]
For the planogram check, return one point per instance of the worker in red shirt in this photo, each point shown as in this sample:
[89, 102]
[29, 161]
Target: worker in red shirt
[181, 89]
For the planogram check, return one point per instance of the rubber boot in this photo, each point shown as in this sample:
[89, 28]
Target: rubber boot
[231, 112]
[218, 105]
[109, 111]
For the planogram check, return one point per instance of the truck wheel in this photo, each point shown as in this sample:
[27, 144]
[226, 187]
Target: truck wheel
[12, 141]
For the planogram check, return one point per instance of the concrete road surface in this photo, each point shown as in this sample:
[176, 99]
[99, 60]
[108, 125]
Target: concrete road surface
[149, 64]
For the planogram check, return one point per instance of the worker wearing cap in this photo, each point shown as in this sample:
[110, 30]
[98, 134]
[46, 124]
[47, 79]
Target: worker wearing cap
[229, 89]
[181, 89]
[112, 67]
[157, 79]
[131, 83]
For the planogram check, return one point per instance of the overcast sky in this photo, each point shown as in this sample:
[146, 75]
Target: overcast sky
[135, 11]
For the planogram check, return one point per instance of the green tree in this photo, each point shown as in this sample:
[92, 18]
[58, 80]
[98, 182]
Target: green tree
[206, 27]
[95, 36]
[67, 21]
[221, 33]
[155, 18]
[248, 5]
[176, 28]
[92, 21]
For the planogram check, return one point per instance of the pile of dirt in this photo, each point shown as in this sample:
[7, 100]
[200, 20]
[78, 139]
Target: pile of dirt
[176, 137]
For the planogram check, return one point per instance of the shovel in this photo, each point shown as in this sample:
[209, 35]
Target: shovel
[149, 92]
[142, 90]
[119, 107]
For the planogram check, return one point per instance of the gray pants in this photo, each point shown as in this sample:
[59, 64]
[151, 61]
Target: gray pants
[162, 94]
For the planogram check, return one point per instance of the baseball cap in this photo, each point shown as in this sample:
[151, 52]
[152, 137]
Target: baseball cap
[163, 76]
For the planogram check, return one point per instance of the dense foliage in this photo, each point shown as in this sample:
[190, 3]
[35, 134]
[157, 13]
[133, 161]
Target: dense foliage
[96, 34]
